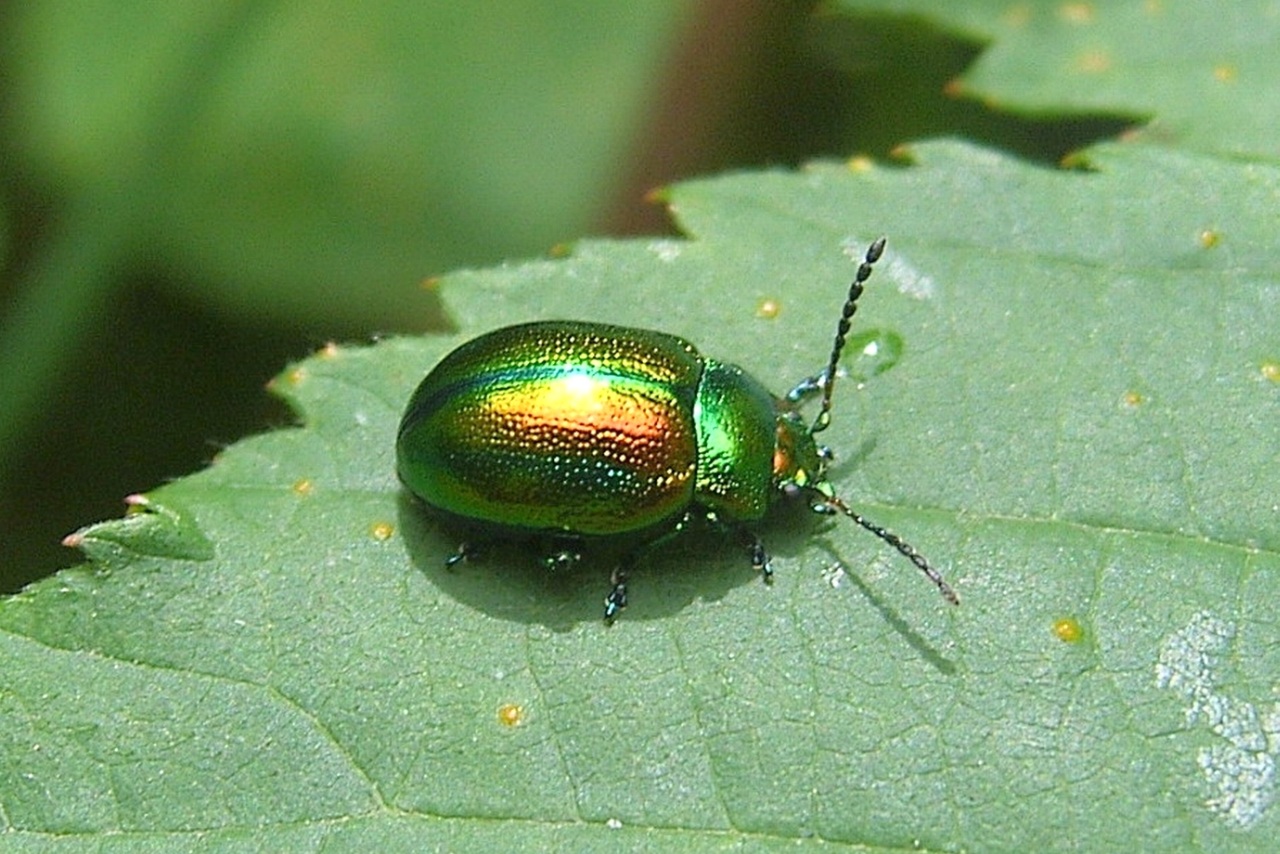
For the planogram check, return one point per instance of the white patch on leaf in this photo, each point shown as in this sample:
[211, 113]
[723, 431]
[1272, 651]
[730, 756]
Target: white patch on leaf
[1241, 769]
[666, 250]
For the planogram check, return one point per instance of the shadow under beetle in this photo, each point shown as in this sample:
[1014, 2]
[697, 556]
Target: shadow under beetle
[572, 430]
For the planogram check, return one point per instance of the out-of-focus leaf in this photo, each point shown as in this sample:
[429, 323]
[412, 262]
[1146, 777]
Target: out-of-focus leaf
[319, 159]
[1204, 72]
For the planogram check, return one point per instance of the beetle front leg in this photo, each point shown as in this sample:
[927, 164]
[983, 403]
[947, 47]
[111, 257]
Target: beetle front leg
[806, 388]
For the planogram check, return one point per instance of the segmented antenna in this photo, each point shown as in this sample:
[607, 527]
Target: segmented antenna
[828, 377]
[827, 380]
[904, 548]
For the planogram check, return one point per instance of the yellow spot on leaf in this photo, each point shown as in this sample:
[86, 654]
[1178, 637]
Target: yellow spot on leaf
[1076, 13]
[860, 163]
[1017, 16]
[1068, 630]
[511, 714]
[768, 308]
[1093, 62]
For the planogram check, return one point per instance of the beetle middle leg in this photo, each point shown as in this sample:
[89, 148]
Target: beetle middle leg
[617, 598]
[760, 560]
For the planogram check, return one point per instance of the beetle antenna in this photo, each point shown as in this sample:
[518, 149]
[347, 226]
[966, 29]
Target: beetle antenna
[904, 548]
[828, 377]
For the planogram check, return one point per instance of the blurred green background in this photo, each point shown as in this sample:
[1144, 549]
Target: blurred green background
[197, 191]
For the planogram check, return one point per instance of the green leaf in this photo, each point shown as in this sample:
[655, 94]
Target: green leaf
[1203, 71]
[1079, 430]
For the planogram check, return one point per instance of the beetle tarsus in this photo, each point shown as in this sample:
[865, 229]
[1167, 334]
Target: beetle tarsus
[617, 598]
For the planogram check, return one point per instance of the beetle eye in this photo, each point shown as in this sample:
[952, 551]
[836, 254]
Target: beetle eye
[791, 489]
[825, 454]
[824, 509]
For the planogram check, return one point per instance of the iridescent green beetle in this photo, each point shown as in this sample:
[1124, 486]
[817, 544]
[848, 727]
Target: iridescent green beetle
[576, 430]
